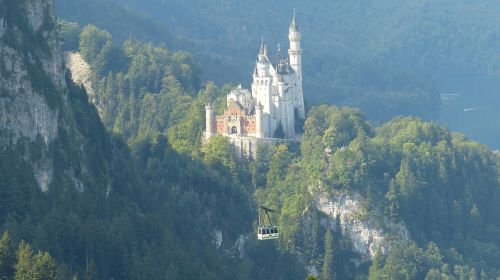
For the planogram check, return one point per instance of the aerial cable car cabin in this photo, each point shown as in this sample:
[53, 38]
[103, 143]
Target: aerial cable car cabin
[266, 231]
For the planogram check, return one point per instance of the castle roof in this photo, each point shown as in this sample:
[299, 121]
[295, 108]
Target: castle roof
[233, 103]
[285, 69]
[280, 63]
[294, 27]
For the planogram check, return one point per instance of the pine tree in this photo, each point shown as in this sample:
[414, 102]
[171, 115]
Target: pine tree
[34, 267]
[24, 266]
[327, 272]
[7, 257]
[45, 267]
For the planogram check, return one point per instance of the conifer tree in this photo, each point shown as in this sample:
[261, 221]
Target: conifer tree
[328, 257]
[24, 265]
[7, 257]
[34, 267]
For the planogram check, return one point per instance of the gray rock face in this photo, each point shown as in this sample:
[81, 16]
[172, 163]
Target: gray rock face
[24, 110]
[369, 236]
[26, 113]
[2, 27]
[237, 250]
[35, 12]
[80, 74]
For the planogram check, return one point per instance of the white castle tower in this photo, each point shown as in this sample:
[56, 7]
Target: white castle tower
[262, 81]
[274, 103]
[295, 54]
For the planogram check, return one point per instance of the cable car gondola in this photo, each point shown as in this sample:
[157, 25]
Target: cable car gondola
[266, 232]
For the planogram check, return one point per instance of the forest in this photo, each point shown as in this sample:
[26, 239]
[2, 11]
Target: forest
[155, 202]
[409, 170]
[430, 59]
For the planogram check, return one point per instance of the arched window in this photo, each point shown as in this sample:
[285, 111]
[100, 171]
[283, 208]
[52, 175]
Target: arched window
[234, 130]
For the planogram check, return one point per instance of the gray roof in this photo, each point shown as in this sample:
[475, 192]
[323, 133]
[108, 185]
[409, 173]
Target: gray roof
[280, 64]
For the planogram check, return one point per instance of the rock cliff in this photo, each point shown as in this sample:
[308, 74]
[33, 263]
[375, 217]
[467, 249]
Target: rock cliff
[81, 75]
[369, 235]
[35, 101]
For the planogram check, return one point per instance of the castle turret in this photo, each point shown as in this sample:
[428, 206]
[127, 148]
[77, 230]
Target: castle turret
[295, 53]
[209, 114]
[262, 81]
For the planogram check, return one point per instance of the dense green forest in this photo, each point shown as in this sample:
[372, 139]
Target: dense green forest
[23, 263]
[387, 58]
[443, 187]
[113, 210]
[136, 195]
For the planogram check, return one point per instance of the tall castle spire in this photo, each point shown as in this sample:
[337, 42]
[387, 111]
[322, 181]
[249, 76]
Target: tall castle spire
[295, 54]
[262, 46]
[294, 26]
[263, 51]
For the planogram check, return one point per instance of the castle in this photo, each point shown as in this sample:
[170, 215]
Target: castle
[271, 108]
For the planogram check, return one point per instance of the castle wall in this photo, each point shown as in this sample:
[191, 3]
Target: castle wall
[236, 123]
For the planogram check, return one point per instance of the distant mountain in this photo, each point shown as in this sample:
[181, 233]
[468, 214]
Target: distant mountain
[388, 58]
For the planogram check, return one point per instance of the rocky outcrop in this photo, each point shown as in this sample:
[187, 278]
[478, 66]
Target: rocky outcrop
[237, 250]
[81, 75]
[34, 106]
[25, 112]
[217, 238]
[369, 235]
[35, 12]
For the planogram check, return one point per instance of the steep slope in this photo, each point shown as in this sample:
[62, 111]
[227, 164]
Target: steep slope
[103, 209]
[38, 116]
[412, 197]
[113, 15]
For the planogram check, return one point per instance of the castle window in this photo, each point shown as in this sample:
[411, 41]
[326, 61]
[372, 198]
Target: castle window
[234, 130]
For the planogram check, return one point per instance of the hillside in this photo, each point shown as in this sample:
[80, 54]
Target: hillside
[115, 183]
[387, 199]
[101, 208]
[387, 58]
[416, 199]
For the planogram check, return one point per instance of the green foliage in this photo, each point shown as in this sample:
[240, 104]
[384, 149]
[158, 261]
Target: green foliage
[70, 35]
[219, 153]
[440, 185]
[150, 206]
[415, 172]
[7, 257]
[32, 266]
[407, 261]
[95, 47]
[278, 165]
[355, 81]
[130, 205]
[148, 90]
[327, 270]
